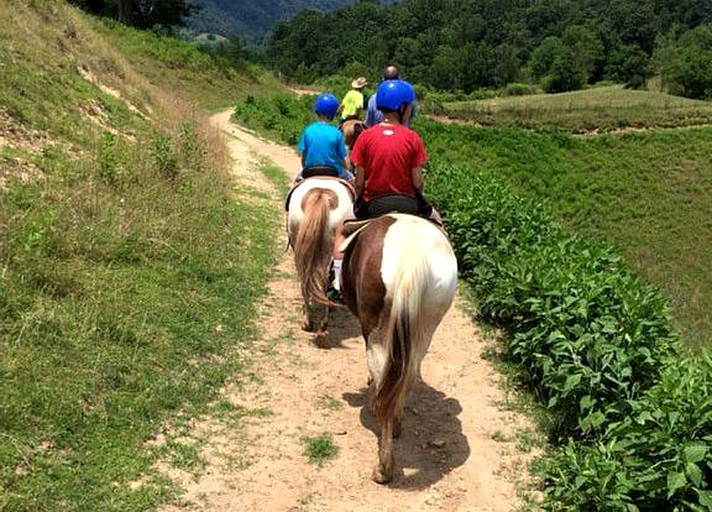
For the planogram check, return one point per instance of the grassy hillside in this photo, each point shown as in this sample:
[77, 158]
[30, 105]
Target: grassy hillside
[212, 82]
[129, 267]
[599, 109]
[646, 192]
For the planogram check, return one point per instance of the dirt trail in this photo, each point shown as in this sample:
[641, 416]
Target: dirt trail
[458, 448]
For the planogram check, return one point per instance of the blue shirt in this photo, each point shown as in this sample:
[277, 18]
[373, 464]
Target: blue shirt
[323, 144]
[375, 116]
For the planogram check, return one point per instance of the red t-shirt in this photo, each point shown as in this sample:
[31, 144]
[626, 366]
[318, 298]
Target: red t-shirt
[388, 154]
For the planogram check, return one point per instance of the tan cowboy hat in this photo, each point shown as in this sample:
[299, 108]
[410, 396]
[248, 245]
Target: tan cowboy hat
[359, 83]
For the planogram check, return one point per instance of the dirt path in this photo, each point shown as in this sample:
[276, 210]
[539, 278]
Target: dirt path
[458, 450]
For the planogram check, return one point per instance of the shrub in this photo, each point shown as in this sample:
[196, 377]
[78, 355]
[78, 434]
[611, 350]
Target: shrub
[686, 63]
[587, 333]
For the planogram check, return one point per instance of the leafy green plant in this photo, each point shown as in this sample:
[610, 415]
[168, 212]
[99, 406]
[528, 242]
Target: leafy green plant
[657, 458]
[320, 449]
[165, 159]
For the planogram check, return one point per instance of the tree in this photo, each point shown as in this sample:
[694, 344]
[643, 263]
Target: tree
[558, 67]
[629, 64]
[685, 63]
[141, 13]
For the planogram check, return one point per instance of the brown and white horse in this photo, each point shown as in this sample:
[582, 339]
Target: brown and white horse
[314, 210]
[352, 128]
[399, 279]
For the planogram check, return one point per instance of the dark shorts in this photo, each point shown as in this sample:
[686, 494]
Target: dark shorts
[390, 203]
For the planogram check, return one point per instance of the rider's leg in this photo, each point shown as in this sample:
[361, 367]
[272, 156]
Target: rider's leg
[338, 255]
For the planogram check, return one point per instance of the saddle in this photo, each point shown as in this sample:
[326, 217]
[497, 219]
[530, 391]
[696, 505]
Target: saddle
[354, 227]
[348, 185]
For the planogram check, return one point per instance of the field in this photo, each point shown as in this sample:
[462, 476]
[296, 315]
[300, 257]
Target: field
[129, 266]
[602, 109]
[647, 193]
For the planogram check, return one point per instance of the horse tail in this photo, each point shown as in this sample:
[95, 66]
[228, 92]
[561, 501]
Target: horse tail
[313, 245]
[405, 340]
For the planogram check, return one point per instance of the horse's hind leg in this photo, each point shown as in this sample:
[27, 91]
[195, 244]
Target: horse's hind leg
[320, 322]
[383, 472]
[308, 324]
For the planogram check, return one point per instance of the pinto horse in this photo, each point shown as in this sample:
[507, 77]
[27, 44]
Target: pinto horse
[399, 278]
[315, 207]
[352, 128]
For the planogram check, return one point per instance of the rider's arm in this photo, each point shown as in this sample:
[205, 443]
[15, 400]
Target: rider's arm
[417, 176]
[360, 181]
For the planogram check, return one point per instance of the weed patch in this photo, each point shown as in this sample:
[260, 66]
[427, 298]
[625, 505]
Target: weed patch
[320, 449]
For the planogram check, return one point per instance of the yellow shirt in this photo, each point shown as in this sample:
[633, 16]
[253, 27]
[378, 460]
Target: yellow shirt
[352, 102]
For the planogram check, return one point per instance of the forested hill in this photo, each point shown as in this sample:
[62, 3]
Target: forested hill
[469, 44]
[251, 19]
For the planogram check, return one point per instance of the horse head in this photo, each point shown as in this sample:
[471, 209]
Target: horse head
[399, 279]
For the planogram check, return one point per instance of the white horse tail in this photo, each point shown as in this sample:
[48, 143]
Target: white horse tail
[421, 287]
[313, 244]
[401, 338]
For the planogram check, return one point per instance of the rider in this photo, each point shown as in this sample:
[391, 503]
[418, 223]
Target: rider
[388, 159]
[352, 105]
[322, 144]
[373, 115]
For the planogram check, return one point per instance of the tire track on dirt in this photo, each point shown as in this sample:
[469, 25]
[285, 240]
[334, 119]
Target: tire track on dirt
[458, 450]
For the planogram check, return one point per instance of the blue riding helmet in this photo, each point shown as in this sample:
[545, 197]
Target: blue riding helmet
[326, 105]
[393, 94]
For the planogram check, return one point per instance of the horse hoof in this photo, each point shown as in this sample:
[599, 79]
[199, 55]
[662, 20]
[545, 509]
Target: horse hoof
[321, 340]
[380, 476]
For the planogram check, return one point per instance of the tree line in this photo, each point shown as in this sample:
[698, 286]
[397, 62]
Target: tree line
[144, 14]
[471, 44]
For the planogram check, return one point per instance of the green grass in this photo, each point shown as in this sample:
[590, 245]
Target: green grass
[129, 267]
[213, 82]
[320, 449]
[597, 109]
[647, 193]
[330, 403]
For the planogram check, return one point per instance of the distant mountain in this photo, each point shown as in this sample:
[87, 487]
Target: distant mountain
[252, 19]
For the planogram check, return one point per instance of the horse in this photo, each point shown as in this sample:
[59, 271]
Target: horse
[352, 128]
[315, 207]
[399, 278]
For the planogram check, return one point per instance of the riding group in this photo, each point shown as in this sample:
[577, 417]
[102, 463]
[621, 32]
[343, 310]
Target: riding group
[364, 236]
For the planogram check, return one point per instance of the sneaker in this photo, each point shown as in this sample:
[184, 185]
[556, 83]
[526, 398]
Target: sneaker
[334, 295]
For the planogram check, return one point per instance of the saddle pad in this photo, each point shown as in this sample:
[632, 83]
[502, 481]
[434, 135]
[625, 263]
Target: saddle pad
[348, 185]
[352, 228]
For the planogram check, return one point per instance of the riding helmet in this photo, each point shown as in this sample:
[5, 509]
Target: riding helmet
[326, 104]
[393, 94]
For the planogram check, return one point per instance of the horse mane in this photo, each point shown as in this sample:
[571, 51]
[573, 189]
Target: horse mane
[313, 244]
[404, 335]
